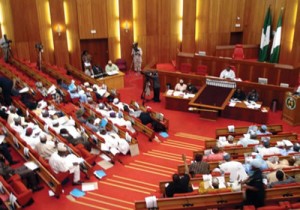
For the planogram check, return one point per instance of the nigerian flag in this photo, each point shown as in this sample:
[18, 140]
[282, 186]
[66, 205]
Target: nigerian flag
[274, 57]
[265, 37]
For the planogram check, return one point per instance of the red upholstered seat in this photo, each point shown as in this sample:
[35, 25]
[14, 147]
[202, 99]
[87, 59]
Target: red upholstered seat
[186, 67]
[249, 207]
[121, 63]
[238, 52]
[295, 205]
[201, 70]
[17, 187]
[87, 156]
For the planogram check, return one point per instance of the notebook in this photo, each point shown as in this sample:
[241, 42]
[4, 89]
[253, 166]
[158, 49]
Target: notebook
[99, 174]
[77, 193]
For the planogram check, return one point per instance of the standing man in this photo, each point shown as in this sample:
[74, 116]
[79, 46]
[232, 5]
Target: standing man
[137, 57]
[4, 42]
[254, 187]
[6, 86]
[156, 87]
[86, 61]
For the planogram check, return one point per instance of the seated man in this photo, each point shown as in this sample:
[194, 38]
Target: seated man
[62, 161]
[263, 130]
[216, 155]
[76, 93]
[46, 148]
[75, 141]
[252, 95]
[29, 176]
[227, 73]
[249, 138]
[111, 68]
[239, 95]
[223, 142]
[213, 185]
[198, 166]
[180, 86]
[179, 184]
[282, 179]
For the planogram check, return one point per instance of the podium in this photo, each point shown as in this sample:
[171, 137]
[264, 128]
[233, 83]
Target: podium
[291, 109]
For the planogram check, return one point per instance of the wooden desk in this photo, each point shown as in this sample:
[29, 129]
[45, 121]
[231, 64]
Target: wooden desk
[267, 93]
[241, 112]
[177, 102]
[114, 81]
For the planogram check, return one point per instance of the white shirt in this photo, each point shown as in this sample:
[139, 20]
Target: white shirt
[225, 74]
[180, 87]
[236, 170]
[111, 69]
[63, 164]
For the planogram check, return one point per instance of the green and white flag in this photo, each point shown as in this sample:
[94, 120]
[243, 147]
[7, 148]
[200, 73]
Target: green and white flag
[274, 57]
[265, 37]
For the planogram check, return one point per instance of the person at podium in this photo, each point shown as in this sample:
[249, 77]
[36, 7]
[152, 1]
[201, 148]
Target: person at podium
[227, 73]
[180, 86]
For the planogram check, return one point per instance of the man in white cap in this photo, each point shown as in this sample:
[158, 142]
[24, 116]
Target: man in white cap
[62, 161]
[248, 139]
[180, 86]
[46, 148]
[111, 68]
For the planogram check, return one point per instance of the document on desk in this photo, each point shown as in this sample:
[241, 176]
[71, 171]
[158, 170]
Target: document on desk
[232, 103]
[170, 92]
[178, 93]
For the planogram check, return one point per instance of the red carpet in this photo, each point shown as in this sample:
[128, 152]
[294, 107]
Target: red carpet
[139, 176]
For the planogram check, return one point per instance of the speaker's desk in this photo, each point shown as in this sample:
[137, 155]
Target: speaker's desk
[114, 81]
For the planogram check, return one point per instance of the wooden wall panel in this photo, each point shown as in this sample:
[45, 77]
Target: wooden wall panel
[140, 26]
[113, 40]
[99, 18]
[7, 21]
[174, 36]
[154, 26]
[164, 30]
[60, 41]
[237, 15]
[73, 30]
[288, 29]
[85, 21]
[45, 29]
[188, 26]
[28, 30]
[126, 16]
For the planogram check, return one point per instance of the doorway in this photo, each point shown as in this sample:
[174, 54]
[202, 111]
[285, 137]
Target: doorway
[98, 49]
